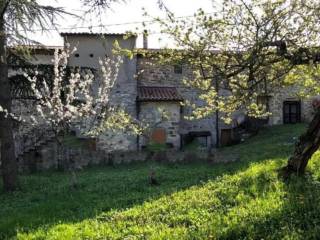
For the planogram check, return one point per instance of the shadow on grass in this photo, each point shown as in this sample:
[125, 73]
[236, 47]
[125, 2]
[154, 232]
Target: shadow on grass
[47, 199]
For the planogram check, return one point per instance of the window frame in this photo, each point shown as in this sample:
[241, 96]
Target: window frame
[288, 117]
[177, 68]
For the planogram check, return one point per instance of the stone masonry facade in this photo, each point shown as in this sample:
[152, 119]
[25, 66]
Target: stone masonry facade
[142, 71]
[149, 73]
[288, 94]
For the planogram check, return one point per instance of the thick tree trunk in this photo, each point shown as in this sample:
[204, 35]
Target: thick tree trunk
[8, 159]
[307, 145]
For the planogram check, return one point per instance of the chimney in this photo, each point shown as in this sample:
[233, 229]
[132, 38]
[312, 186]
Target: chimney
[145, 39]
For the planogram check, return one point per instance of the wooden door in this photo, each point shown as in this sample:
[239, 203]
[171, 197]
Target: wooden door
[226, 137]
[159, 136]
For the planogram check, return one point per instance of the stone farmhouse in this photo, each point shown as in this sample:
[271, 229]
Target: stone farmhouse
[143, 86]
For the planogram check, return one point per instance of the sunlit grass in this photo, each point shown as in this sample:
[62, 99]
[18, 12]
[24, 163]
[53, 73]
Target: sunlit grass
[242, 200]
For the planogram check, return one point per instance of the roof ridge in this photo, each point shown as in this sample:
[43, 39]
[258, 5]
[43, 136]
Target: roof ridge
[158, 93]
[90, 33]
[158, 86]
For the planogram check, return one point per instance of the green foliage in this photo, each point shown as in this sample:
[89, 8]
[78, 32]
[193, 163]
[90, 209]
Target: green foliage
[242, 200]
[21, 16]
[72, 141]
[193, 146]
[156, 147]
[306, 79]
[118, 121]
[240, 50]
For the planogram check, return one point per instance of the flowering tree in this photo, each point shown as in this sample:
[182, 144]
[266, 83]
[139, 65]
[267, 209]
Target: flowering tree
[81, 96]
[78, 98]
[16, 17]
[246, 49]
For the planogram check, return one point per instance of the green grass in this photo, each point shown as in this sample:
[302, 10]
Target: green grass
[242, 200]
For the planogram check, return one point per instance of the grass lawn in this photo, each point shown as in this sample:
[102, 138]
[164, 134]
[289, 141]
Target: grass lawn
[242, 200]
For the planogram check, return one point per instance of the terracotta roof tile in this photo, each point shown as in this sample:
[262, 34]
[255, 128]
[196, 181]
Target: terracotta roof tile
[158, 94]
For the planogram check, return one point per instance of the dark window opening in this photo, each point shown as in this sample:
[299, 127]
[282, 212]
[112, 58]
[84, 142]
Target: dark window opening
[77, 55]
[91, 55]
[291, 112]
[181, 110]
[195, 140]
[177, 69]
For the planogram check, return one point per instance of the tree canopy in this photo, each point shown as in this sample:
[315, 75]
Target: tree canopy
[249, 47]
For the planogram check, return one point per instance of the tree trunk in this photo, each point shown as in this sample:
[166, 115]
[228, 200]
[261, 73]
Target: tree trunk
[216, 78]
[307, 145]
[8, 159]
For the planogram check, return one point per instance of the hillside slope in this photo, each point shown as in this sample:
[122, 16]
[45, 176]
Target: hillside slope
[242, 200]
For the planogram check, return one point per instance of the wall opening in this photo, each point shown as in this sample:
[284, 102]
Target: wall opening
[291, 112]
[195, 140]
[159, 136]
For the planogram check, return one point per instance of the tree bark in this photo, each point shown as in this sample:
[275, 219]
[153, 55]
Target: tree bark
[307, 145]
[8, 159]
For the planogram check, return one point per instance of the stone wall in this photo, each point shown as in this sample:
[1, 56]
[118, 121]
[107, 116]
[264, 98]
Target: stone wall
[52, 157]
[91, 48]
[142, 71]
[123, 96]
[151, 114]
[277, 99]
[150, 73]
[30, 134]
[55, 157]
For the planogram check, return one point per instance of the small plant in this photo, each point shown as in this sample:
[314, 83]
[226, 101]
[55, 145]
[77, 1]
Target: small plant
[156, 147]
[192, 146]
[152, 177]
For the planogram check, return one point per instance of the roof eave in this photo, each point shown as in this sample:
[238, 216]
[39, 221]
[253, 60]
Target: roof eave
[159, 100]
[65, 34]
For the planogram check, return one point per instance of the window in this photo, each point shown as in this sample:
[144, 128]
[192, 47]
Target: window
[177, 69]
[77, 55]
[263, 101]
[182, 109]
[291, 112]
[91, 55]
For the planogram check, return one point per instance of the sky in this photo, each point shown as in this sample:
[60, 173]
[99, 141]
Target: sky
[116, 19]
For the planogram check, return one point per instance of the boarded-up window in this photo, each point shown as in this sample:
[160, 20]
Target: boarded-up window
[159, 136]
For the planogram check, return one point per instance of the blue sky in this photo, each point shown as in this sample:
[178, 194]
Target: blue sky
[119, 14]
